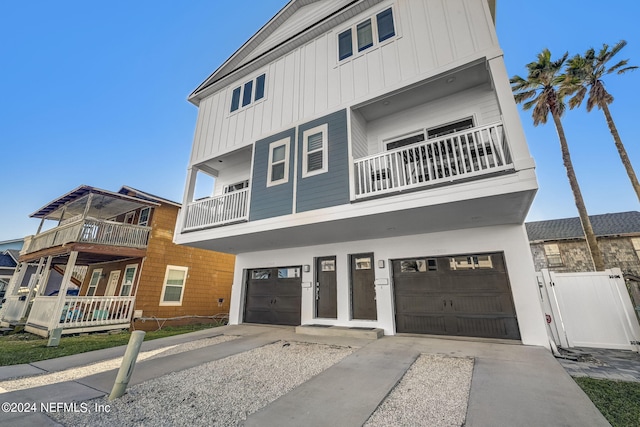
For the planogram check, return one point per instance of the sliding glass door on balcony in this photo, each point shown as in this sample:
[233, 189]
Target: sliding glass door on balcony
[465, 154]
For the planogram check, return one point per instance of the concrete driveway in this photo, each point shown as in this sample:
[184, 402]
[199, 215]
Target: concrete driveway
[512, 385]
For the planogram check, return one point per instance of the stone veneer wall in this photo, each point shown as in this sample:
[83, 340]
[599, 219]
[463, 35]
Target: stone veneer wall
[617, 252]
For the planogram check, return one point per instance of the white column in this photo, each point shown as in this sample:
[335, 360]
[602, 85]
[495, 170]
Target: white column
[66, 279]
[512, 126]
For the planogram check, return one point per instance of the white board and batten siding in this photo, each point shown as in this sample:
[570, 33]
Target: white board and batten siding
[478, 102]
[309, 82]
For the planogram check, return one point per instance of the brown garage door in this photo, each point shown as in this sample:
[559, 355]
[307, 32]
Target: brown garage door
[274, 296]
[466, 295]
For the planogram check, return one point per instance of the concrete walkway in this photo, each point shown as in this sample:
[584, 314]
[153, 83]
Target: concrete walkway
[511, 384]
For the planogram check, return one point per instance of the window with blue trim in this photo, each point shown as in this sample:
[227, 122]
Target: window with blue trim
[248, 92]
[367, 34]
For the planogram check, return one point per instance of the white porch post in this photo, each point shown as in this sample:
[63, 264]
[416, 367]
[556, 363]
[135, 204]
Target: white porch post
[189, 191]
[44, 277]
[33, 281]
[516, 139]
[66, 279]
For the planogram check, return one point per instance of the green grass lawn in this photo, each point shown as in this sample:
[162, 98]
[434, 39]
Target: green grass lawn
[19, 348]
[618, 401]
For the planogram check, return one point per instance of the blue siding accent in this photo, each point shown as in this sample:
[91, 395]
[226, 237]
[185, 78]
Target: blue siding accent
[267, 202]
[330, 188]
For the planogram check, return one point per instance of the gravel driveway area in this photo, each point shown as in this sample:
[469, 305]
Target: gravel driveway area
[218, 393]
[434, 392]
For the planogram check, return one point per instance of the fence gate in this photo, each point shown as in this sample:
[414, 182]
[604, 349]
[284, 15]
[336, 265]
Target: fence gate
[590, 309]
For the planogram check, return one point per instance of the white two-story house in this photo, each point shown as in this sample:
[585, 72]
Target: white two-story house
[368, 167]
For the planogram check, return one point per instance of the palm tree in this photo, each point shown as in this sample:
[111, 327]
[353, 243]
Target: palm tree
[588, 70]
[544, 90]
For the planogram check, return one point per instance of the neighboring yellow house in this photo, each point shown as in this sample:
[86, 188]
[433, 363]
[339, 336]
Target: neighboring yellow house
[111, 263]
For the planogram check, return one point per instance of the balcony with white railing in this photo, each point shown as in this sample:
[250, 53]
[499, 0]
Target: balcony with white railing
[81, 312]
[468, 154]
[219, 210]
[90, 230]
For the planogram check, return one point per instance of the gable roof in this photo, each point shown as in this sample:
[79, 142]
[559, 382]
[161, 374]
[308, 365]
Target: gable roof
[6, 260]
[304, 19]
[312, 18]
[610, 224]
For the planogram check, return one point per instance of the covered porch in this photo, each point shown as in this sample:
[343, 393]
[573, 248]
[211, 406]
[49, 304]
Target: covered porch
[81, 275]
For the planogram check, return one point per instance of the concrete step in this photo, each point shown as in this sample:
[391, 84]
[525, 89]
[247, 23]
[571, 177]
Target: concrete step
[340, 331]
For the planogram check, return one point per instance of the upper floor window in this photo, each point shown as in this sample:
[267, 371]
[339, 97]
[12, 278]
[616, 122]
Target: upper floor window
[314, 151]
[249, 92]
[144, 216]
[368, 32]
[278, 171]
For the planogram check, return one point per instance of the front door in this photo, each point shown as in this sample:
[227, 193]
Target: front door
[363, 291]
[326, 294]
[112, 283]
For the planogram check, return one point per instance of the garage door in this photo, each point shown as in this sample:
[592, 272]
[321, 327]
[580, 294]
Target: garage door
[466, 295]
[274, 296]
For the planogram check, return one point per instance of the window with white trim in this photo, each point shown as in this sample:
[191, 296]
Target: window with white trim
[173, 287]
[278, 170]
[128, 279]
[315, 151]
[144, 216]
[93, 283]
[248, 93]
[368, 33]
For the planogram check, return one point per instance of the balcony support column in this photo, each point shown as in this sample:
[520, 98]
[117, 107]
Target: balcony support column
[516, 139]
[44, 277]
[62, 294]
[189, 192]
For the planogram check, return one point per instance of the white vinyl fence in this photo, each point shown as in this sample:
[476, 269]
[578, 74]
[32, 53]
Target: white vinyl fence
[589, 310]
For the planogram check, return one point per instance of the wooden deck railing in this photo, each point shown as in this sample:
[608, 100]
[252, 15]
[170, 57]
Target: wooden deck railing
[81, 311]
[213, 211]
[91, 230]
[473, 152]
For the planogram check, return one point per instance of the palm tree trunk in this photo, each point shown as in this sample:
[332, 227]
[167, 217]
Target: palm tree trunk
[621, 150]
[592, 243]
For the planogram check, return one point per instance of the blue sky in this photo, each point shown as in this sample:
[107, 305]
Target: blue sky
[95, 93]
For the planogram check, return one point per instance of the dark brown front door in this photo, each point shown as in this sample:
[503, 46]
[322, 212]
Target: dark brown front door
[274, 296]
[363, 291]
[326, 294]
[466, 295]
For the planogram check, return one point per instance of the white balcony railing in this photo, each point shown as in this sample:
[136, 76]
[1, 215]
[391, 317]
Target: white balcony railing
[473, 152]
[79, 312]
[90, 230]
[220, 210]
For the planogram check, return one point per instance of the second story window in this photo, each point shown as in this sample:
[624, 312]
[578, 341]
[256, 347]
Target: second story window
[248, 93]
[144, 217]
[368, 33]
[278, 171]
[314, 151]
